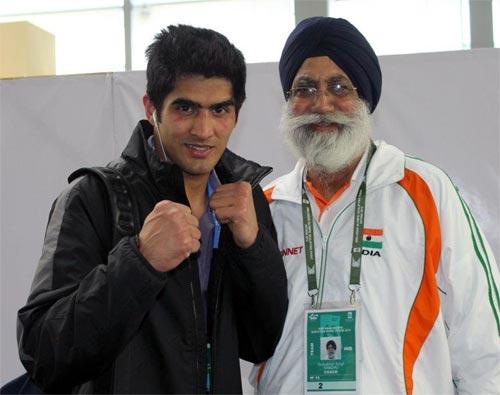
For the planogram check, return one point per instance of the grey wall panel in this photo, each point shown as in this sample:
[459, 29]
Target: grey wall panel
[128, 90]
[49, 127]
[256, 135]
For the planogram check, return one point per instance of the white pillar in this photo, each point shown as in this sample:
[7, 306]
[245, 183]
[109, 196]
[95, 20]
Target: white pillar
[307, 8]
[481, 23]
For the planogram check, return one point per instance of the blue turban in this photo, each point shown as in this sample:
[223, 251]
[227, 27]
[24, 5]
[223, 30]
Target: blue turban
[342, 43]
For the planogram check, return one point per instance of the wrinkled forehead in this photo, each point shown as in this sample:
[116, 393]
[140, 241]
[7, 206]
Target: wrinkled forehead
[319, 69]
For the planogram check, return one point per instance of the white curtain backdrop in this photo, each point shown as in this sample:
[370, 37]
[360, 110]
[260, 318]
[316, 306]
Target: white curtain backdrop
[441, 107]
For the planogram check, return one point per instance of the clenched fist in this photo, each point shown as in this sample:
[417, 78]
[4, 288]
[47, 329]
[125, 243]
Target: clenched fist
[233, 205]
[169, 235]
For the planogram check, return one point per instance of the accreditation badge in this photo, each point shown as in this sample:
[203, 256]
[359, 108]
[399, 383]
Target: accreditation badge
[331, 350]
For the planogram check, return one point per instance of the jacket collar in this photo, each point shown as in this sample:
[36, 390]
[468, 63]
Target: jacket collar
[386, 167]
[230, 168]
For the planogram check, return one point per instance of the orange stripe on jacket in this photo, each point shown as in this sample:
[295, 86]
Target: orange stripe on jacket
[268, 194]
[425, 309]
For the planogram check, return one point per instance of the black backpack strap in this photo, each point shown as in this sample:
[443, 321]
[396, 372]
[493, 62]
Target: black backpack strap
[122, 200]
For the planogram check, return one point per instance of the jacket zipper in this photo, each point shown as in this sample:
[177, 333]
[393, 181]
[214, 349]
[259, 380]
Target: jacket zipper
[195, 315]
[213, 344]
[324, 250]
[211, 347]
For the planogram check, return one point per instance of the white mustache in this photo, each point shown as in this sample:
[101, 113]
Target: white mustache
[299, 121]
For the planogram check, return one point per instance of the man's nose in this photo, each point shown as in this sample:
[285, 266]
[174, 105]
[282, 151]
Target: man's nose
[323, 102]
[203, 124]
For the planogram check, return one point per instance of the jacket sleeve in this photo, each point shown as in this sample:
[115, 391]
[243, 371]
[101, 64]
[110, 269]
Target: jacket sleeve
[260, 289]
[85, 302]
[468, 280]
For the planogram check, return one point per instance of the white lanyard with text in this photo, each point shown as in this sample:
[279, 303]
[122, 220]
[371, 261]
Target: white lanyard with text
[357, 239]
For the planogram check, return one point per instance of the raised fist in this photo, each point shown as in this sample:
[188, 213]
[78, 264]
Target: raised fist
[233, 205]
[169, 235]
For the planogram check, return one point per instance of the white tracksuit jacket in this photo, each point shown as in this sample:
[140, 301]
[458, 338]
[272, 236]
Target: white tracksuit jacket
[429, 281]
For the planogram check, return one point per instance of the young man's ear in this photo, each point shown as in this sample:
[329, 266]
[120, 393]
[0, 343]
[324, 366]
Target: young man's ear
[149, 108]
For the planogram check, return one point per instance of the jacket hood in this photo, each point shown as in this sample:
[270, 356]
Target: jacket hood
[230, 168]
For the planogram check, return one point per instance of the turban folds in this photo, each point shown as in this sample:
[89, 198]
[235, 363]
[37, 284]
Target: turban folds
[343, 44]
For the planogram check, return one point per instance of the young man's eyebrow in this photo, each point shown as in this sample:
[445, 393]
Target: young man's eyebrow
[185, 102]
[225, 103]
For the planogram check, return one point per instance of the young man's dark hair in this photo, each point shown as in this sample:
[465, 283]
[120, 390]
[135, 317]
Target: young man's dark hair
[186, 50]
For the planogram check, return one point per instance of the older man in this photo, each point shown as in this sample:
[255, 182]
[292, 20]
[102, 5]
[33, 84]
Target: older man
[390, 261]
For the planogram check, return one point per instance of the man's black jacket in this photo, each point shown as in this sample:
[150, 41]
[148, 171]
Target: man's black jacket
[101, 320]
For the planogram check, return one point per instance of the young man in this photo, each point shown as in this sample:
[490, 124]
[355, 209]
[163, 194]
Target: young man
[392, 262]
[172, 309]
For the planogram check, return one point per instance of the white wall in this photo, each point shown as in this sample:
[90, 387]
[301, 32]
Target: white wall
[441, 107]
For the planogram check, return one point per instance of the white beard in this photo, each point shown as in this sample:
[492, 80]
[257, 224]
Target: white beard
[327, 152]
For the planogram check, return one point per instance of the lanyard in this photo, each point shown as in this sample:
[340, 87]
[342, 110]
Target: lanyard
[357, 238]
[217, 227]
[208, 387]
[307, 222]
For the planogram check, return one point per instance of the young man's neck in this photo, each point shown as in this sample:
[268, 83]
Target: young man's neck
[196, 192]
[328, 183]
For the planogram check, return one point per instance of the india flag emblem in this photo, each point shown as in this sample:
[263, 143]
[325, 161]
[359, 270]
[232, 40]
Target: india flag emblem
[372, 238]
